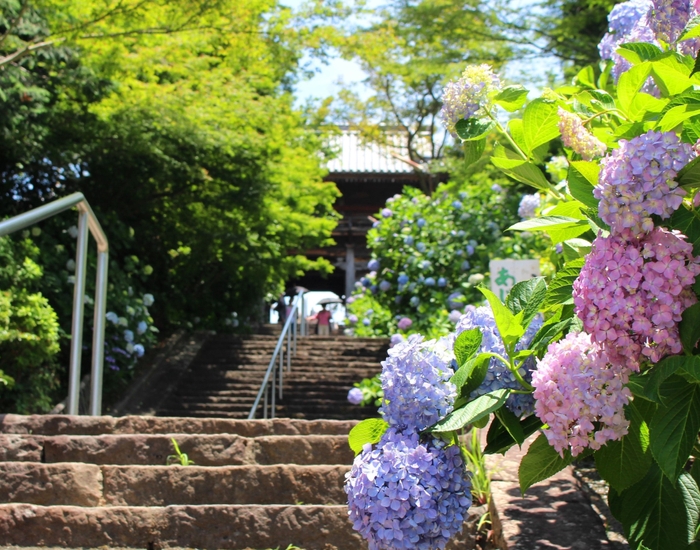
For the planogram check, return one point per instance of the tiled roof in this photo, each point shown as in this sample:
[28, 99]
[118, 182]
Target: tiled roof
[357, 155]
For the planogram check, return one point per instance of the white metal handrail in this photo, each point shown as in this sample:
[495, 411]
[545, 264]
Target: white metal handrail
[287, 339]
[86, 220]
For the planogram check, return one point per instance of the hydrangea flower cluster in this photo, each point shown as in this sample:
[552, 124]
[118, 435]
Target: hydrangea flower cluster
[638, 180]
[577, 389]
[668, 18]
[528, 205]
[469, 96]
[499, 375]
[355, 396]
[407, 493]
[416, 383]
[630, 294]
[576, 137]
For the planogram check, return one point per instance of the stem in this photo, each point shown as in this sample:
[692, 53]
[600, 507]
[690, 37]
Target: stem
[507, 135]
[616, 111]
[512, 368]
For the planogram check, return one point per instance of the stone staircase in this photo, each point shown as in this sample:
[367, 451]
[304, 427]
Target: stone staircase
[225, 375]
[89, 482]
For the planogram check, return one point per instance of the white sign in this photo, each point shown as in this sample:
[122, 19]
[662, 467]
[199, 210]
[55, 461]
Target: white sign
[505, 273]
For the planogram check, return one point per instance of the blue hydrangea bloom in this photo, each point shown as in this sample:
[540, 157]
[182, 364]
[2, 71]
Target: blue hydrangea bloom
[469, 250]
[465, 265]
[430, 281]
[373, 265]
[403, 279]
[384, 286]
[416, 383]
[407, 493]
[366, 322]
[421, 222]
[415, 300]
[456, 204]
[355, 396]
[420, 247]
[498, 375]
[442, 282]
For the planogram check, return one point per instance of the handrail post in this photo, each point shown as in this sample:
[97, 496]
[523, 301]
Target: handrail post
[76, 344]
[98, 336]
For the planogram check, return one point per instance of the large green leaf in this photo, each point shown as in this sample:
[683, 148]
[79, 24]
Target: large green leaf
[656, 514]
[470, 375]
[512, 424]
[549, 333]
[636, 52]
[630, 83]
[508, 326]
[540, 123]
[687, 222]
[674, 428]
[582, 178]
[369, 430]
[677, 115]
[511, 98]
[692, 29]
[527, 296]
[689, 175]
[472, 128]
[663, 370]
[561, 288]
[546, 223]
[690, 328]
[540, 462]
[623, 463]
[466, 345]
[671, 76]
[473, 149]
[519, 169]
[499, 439]
[478, 409]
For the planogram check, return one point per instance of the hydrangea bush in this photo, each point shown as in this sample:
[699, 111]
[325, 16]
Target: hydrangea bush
[606, 350]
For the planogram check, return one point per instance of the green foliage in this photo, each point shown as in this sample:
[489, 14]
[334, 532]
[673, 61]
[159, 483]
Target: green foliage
[475, 461]
[369, 430]
[29, 333]
[179, 457]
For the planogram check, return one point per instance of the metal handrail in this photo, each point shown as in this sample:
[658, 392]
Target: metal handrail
[86, 220]
[289, 333]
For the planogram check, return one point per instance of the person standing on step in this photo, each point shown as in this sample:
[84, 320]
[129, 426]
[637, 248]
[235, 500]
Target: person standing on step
[323, 321]
[282, 309]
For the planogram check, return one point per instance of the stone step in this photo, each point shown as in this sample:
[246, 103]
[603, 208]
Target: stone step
[104, 425]
[74, 484]
[234, 527]
[153, 449]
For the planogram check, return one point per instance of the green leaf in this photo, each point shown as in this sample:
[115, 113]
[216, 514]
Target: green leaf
[478, 409]
[540, 123]
[546, 223]
[637, 52]
[674, 427]
[692, 29]
[561, 288]
[582, 178]
[540, 462]
[670, 75]
[586, 77]
[689, 175]
[623, 463]
[473, 149]
[512, 424]
[511, 98]
[369, 430]
[602, 100]
[654, 513]
[687, 222]
[470, 376]
[690, 327]
[549, 333]
[677, 115]
[658, 375]
[499, 439]
[527, 296]
[521, 170]
[508, 326]
[467, 344]
[472, 128]
[630, 83]
[696, 66]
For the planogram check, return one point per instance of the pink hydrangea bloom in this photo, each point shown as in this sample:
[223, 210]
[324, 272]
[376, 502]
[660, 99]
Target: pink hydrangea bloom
[576, 137]
[638, 180]
[577, 388]
[630, 294]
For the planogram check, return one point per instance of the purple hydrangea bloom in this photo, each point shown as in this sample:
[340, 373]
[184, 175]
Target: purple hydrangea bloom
[638, 180]
[496, 188]
[455, 300]
[386, 213]
[407, 493]
[416, 383]
[631, 295]
[469, 96]
[384, 286]
[668, 18]
[405, 323]
[454, 316]
[373, 265]
[528, 205]
[499, 375]
[580, 395]
[355, 396]
[396, 339]
[353, 319]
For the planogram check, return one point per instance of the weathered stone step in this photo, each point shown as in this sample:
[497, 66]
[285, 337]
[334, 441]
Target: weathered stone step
[234, 527]
[204, 450]
[67, 484]
[105, 425]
